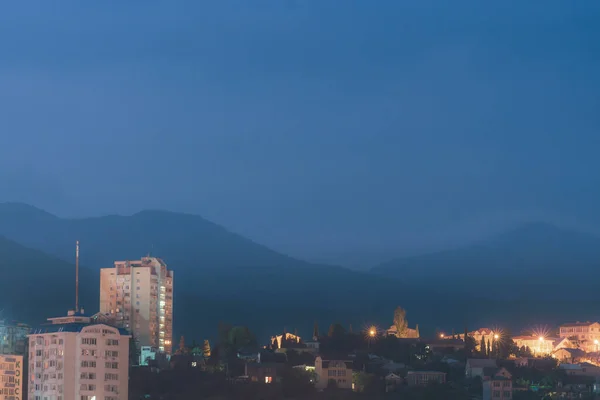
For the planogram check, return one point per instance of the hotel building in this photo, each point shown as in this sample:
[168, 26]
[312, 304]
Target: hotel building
[139, 296]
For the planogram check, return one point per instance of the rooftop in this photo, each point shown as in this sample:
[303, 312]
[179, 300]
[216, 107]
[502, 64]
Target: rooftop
[425, 372]
[75, 321]
[69, 327]
[587, 323]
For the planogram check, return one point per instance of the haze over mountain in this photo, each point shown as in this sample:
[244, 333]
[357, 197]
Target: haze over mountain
[222, 276]
[219, 275]
[536, 260]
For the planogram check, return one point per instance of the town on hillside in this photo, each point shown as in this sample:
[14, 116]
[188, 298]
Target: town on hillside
[126, 350]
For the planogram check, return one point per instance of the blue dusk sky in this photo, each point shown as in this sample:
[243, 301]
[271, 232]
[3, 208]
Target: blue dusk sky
[313, 126]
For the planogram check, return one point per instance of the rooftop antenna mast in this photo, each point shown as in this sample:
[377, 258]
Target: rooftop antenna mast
[77, 276]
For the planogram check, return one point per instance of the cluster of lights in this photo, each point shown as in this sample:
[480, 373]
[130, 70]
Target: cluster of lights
[496, 336]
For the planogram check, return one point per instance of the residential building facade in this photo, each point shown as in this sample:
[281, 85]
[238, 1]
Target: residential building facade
[570, 356]
[74, 358]
[139, 294]
[328, 370]
[538, 345]
[486, 334]
[262, 372]
[584, 334]
[498, 386]
[11, 377]
[424, 378]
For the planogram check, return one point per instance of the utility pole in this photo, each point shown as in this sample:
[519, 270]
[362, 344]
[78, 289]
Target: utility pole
[77, 276]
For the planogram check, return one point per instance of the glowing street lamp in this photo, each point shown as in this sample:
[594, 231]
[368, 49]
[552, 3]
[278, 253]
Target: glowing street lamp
[442, 335]
[541, 340]
[371, 335]
[496, 336]
[596, 344]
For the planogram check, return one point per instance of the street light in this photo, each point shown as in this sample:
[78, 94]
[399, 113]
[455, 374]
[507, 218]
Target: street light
[596, 343]
[496, 345]
[371, 335]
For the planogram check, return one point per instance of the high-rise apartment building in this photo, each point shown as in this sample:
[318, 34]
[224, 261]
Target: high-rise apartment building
[139, 296]
[78, 358]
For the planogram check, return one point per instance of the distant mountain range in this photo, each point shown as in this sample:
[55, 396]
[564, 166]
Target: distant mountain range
[32, 282]
[222, 276]
[219, 275]
[534, 260]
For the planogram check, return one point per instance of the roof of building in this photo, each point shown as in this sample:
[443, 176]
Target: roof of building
[572, 352]
[587, 323]
[391, 375]
[588, 365]
[70, 327]
[481, 363]
[570, 366]
[496, 375]
[534, 337]
[425, 372]
[327, 359]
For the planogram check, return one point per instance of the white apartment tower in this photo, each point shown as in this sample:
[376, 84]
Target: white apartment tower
[139, 295]
[78, 358]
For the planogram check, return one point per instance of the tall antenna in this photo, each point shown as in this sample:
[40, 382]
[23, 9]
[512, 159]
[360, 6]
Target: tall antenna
[77, 276]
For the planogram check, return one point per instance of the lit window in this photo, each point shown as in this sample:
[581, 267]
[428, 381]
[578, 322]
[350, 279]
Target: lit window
[268, 379]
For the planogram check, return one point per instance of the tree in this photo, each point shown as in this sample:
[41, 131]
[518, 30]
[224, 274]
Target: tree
[363, 381]
[206, 349]
[482, 347]
[336, 331]
[296, 382]
[469, 343]
[489, 348]
[181, 349]
[224, 329]
[240, 336]
[316, 331]
[400, 322]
